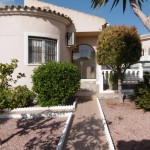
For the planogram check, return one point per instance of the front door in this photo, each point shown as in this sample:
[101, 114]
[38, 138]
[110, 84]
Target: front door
[84, 59]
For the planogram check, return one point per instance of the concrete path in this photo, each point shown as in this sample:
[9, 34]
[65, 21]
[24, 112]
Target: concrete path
[86, 130]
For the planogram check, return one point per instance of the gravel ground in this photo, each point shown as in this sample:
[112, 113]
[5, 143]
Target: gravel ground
[30, 134]
[129, 127]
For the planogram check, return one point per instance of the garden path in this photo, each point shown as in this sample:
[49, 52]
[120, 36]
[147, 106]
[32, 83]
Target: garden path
[86, 131]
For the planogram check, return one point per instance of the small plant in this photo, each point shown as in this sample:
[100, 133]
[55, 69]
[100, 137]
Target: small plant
[142, 93]
[55, 82]
[113, 80]
[12, 97]
[22, 97]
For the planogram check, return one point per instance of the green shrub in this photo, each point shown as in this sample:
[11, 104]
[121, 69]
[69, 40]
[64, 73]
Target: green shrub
[55, 82]
[19, 96]
[142, 93]
[113, 79]
[13, 97]
[22, 97]
[6, 99]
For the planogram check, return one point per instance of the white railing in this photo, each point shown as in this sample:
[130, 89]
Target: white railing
[132, 76]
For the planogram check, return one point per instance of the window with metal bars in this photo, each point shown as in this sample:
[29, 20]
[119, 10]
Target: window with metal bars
[41, 50]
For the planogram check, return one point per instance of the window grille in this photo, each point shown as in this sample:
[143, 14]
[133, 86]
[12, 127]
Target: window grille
[42, 50]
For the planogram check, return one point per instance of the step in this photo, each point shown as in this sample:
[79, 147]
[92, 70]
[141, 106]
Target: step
[89, 86]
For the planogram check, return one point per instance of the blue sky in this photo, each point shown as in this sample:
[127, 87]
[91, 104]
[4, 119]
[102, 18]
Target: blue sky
[114, 17]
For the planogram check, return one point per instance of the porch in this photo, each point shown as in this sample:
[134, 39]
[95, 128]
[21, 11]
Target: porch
[132, 76]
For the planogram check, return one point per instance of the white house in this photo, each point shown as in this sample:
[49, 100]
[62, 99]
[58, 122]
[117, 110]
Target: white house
[39, 32]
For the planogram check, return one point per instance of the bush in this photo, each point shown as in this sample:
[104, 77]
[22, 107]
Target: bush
[142, 93]
[13, 97]
[22, 97]
[113, 78]
[19, 96]
[55, 82]
[5, 99]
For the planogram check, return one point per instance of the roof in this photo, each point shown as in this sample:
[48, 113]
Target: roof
[145, 36]
[36, 11]
[82, 22]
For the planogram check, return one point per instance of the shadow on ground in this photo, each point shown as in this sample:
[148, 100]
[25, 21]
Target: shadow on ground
[134, 145]
[45, 137]
[87, 134]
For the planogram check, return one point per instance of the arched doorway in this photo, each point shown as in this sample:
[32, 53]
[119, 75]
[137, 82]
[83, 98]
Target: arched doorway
[84, 59]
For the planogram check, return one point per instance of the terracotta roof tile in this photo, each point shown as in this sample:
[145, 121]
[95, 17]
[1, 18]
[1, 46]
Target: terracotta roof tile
[32, 8]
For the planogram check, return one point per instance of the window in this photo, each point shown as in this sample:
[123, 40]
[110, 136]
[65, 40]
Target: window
[70, 39]
[41, 50]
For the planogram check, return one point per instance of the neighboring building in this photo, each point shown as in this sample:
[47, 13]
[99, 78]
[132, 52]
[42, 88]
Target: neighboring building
[40, 32]
[145, 59]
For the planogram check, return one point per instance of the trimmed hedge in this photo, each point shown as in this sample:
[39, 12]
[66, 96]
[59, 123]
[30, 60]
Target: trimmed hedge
[142, 93]
[55, 82]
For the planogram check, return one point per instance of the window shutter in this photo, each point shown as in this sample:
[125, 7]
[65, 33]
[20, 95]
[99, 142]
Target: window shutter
[70, 38]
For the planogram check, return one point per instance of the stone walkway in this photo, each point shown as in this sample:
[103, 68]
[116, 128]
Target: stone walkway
[86, 130]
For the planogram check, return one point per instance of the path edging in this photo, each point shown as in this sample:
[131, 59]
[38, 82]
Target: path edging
[54, 108]
[64, 132]
[50, 115]
[108, 136]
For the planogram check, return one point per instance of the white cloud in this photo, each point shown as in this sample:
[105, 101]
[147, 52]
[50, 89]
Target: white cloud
[6, 2]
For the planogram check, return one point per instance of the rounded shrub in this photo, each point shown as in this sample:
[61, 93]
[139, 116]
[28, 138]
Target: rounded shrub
[55, 82]
[22, 96]
[142, 93]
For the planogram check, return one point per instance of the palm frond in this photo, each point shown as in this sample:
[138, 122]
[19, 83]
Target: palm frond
[124, 5]
[98, 3]
[140, 3]
[115, 3]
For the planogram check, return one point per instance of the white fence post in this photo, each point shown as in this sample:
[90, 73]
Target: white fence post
[101, 82]
[97, 74]
[140, 71]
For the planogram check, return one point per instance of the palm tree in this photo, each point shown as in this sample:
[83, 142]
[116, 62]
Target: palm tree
[135, 4]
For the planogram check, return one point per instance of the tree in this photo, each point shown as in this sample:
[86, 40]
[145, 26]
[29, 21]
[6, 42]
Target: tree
[136, 7]
[119, 47]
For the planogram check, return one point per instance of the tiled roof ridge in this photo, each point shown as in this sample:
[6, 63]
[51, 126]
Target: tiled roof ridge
[33, 8]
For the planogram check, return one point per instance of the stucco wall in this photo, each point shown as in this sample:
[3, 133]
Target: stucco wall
[13, 40]
[145, 39]
[83, 22]
[90, 40]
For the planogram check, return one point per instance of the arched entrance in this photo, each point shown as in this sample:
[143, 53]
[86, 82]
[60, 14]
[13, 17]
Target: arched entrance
[84, 59]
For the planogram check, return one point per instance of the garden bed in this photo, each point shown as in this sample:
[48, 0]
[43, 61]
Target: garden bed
[33, 133]
[34, 130]
[129, 127]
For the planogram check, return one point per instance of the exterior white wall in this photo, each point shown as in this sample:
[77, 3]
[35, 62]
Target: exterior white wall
[90, 40]
[145, 39]
[15, 29]
[13, 40]
[82, 22]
